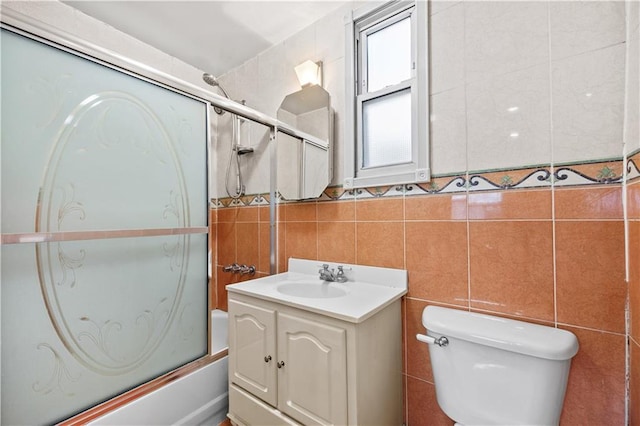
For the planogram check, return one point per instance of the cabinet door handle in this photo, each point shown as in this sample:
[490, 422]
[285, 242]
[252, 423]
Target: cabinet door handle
[280, 364]
[267, 358]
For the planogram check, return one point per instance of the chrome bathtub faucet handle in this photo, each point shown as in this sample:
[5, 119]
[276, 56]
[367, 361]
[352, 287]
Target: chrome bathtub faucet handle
[231, 268]
[244, 270]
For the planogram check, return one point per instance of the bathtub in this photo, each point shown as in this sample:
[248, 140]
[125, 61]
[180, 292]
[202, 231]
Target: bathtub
[199, 398]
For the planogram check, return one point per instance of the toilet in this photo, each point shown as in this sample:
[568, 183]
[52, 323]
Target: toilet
[495, 371]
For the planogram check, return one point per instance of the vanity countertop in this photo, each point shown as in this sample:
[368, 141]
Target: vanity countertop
[368, 289]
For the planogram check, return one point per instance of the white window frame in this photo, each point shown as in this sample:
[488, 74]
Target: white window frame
[358, 25]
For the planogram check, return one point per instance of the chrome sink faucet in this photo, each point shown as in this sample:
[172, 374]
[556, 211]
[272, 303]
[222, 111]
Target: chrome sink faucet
[327, 274]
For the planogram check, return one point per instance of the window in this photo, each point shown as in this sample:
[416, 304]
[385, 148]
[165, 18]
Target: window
[387, 123]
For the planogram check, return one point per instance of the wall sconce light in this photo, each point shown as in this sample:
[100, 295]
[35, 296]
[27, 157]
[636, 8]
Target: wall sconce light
[309, 73]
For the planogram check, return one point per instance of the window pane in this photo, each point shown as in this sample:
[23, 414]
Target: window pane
[389, 55]
[386, 123]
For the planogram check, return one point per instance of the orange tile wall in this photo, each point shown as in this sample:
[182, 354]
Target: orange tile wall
[239, 235]
[554, 257]
[633, 211]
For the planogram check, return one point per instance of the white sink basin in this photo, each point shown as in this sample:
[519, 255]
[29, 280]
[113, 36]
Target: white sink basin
[316, 289]
[368, 289]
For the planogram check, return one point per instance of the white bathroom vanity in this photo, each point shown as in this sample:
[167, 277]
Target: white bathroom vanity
[307, 351]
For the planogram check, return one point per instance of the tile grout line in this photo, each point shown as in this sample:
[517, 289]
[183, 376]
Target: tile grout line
[404, 231]
[405, 348]
[592, 329]
[466, 147]
[355, 230]
[404, 317]
[552, 171]
[406, 362]
[625, 215]
[526, 319]
[418, 378]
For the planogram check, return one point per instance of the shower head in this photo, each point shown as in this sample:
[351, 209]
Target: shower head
[212, 81]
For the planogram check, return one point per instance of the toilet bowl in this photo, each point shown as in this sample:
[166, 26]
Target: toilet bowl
[496, 371]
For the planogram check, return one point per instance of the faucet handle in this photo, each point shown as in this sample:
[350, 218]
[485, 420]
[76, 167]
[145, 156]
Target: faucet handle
[340, 276]
[233, 268]
[324, 266]
[244, 269]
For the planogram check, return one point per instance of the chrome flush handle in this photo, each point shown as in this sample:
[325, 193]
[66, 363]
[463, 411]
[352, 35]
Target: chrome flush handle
[441, 341]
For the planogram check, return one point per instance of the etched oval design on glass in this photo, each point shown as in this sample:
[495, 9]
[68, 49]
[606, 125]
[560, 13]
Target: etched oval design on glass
[112, 302]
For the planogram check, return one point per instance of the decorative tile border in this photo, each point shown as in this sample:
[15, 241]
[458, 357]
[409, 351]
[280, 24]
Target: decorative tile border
[633, 166]
[439, 185]
[215, 203]
[380, 191]
[605, 172]
[244, 201]
[510, 179]
[259, 200]
[337, 193]
[590, 173]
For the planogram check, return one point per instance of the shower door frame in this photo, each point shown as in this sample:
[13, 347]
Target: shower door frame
[26, 26]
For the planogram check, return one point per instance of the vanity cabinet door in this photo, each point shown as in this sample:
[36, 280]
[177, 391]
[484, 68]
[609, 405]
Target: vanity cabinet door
[312, 373]
[252, 350]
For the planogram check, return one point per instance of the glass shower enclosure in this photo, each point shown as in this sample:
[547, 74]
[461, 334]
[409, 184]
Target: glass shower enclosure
[104, 230]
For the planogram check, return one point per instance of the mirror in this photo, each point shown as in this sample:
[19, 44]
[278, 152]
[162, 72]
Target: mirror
[305, 164]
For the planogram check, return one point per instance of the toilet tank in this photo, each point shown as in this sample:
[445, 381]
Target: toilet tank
[496, 370]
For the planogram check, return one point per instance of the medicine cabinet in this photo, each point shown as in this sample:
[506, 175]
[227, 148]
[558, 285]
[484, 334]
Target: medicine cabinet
[305, 165]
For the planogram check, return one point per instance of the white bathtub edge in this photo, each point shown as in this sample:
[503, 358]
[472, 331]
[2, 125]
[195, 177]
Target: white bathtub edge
[196, 399]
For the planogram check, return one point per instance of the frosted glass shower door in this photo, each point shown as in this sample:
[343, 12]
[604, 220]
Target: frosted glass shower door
[104, 231]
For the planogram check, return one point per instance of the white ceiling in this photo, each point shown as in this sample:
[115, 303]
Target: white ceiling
[214, 36]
